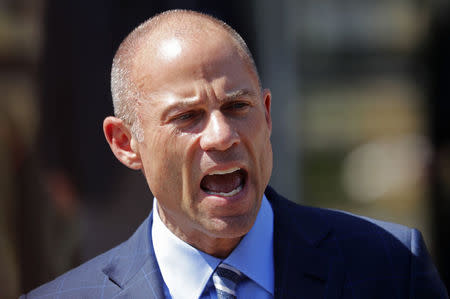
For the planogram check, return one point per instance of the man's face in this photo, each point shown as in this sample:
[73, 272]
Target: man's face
[206, 152]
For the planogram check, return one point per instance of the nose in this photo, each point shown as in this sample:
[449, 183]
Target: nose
[218, 134]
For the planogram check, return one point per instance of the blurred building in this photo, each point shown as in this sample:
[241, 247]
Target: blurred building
[20, 190]
[370, 114]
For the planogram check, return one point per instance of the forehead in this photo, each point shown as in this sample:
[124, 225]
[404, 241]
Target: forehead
[170, 61]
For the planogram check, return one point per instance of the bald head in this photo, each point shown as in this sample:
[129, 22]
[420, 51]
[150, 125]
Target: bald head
[162, 37]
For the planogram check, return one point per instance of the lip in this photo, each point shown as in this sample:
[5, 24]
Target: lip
[226, 171]
[217, 169]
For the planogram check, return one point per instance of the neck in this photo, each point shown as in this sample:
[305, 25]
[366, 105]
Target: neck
[214, 246]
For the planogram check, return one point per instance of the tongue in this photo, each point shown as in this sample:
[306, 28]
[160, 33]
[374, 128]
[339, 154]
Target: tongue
[222, 182]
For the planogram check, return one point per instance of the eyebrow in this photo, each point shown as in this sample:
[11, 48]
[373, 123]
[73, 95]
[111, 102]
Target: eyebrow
[192, 101]
[238, 94]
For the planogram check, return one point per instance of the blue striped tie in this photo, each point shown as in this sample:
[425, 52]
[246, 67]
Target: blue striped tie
[225, 280]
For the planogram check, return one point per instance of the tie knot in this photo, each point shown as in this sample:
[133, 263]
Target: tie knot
[225, 280]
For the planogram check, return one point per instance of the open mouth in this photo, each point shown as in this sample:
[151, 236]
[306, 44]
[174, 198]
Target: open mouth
[225, 183]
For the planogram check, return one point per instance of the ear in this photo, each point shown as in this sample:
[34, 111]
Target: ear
[267, 98]
[122, 143]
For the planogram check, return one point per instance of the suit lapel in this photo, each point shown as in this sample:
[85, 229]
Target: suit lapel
[134, 267]
[306, 261]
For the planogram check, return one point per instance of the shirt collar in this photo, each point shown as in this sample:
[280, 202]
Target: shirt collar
[254, 254]
[187, 275]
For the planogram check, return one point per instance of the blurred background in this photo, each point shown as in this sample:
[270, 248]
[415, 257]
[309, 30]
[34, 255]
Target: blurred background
[360, 110]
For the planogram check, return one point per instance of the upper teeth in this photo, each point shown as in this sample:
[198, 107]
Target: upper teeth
[224, 171]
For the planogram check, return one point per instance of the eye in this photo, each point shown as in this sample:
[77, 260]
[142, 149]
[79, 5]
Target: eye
[186, 116]
[237, 106]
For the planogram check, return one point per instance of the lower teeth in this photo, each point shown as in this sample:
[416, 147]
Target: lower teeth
[228, 194]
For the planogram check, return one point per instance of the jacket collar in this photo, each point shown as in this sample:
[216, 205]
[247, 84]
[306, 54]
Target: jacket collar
[305, 257]
[133, 266]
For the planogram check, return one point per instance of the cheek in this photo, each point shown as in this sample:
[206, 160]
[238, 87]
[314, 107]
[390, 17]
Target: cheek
[258, 131]
[170, 161]
[262, 147]
[157, 155]
[267, 160]
[189, 156]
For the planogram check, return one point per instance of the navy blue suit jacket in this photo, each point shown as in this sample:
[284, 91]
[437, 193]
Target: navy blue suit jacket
[318, 253]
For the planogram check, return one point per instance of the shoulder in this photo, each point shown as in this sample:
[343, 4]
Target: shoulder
[374, 255]
[86, 278]
[105, 274]
[352, 227]
[315, 222]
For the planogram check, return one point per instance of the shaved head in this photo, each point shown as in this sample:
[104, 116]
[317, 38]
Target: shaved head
[157, 37]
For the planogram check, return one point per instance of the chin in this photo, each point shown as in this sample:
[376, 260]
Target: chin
[230, 227]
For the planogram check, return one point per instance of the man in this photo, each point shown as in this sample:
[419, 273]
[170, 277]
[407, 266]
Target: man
[192, 116]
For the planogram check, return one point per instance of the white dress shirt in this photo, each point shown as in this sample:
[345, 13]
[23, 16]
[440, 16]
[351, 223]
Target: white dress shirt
[187, 271]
